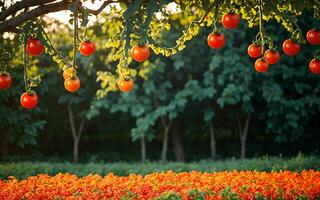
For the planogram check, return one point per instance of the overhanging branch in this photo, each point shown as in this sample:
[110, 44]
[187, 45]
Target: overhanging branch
[12, 10]
[45, 7]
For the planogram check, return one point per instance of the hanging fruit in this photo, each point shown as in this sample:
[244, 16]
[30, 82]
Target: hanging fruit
[314, 66]
[5, 81]
[140, 53]
[261, 66]
[125, 85]
[87, 48]
[72, 84]
[34, 47]
[290, 47]
[313, 37]
[29, 100]
[272, 56]
[254, 50]
[230, 20]
[215, 40]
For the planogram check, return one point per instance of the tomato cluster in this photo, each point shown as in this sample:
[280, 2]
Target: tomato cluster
[290, 47]
[313, 38]
[139, 53]
[215, 39]
[34, 47]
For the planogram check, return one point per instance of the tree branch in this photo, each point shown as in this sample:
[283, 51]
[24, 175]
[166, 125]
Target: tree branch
[43, 8]
[13, 23]
[80, 130]
[96, 12]
[12, 10]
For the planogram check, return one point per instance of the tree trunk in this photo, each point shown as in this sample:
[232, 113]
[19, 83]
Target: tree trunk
[3, 145]
[164, 151]
[143, 150]
[244, 134]
[213, 150]
[75, 134]
[177, 132]
[76, 150]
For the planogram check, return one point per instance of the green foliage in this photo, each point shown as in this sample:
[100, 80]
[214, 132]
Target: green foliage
[169, 196]
[227, 194]
[197, 83]
[141, 26]
[24, 169]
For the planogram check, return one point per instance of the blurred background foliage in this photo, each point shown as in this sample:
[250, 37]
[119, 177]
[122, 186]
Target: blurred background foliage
[197, 104]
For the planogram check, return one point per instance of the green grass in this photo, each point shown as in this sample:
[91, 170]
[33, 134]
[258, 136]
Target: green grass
[22, 170]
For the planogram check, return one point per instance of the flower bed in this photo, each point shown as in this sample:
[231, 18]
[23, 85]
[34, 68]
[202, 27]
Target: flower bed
[168, 185]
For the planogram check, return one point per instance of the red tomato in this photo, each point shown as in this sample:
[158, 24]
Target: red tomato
[34, 47]
[72, 84]
[215, 40]
[87, 48]
[314, 66]
[272, 57]
[261, 66]
[291, 48]
[230, 20]
[5, 81]
[126, 86]
[29, 100]
[67, 73]
[254, 51]
[140, 53]
[313, 37]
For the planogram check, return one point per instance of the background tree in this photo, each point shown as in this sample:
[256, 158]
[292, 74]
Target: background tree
[219, 86]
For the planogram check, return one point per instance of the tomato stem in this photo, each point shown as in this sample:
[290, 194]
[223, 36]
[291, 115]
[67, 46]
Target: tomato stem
[216, 12]
[56, 53]
[261, 28]
[75, 37]
[25, 66]
[4, 58]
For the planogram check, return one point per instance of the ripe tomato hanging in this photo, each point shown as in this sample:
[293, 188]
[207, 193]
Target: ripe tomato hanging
[272, 56]
[87, 48]
[314, 66]
[34, 47]
[72, 84]
[126, 85]
[230, 20]
[67, 73]
[5, 81]
[29, 100]
[254, 51]
[140, 53]
[261, 66]
[290, 47]
[313, 37]
[215, 40]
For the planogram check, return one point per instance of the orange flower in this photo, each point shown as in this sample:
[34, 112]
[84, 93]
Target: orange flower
[186, 185]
